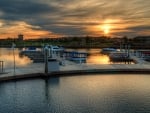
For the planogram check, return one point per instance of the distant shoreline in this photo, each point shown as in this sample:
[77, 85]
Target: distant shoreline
[80, 47]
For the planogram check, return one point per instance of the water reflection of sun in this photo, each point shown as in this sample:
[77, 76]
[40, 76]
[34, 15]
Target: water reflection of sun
[98, 59]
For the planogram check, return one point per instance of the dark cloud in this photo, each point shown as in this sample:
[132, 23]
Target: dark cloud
[69, 31]
[140, 28]
[25, 10]
[132, 31]
[22, 7]
[128, 33]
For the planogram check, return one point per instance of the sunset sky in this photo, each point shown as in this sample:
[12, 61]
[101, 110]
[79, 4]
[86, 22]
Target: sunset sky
[56, 18]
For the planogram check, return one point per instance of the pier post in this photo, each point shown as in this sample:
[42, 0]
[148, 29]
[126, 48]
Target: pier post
[50, 52]
[46, 59]
[126, 46]
[128, 50]
[1, 66]
[13, 47]
[120, 46]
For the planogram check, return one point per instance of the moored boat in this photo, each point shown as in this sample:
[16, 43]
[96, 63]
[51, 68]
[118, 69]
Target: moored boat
[119, 57]
[108, 50]
[78, 57]
[29, 51]
[55, 48]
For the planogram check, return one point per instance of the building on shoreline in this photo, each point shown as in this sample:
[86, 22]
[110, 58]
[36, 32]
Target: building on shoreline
[20, 37]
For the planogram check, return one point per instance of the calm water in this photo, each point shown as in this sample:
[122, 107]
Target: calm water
[6, 55]
[77, 94]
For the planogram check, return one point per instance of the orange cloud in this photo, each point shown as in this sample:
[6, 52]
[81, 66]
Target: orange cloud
[27, 30]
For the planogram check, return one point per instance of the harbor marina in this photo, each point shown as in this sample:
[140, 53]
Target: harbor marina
[55, 52]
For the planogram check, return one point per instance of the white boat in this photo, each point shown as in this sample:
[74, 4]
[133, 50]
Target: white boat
[55, 49]
[108, 50]
[29, 50]
[78, 57]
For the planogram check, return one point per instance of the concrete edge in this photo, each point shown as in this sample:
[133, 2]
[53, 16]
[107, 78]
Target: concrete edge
[101, 71]
[74, 73]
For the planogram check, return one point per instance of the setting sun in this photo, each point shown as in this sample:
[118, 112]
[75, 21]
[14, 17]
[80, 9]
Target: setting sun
[106, 29]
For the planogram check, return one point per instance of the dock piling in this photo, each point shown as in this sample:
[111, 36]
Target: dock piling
[46, 59]
[1, 66]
